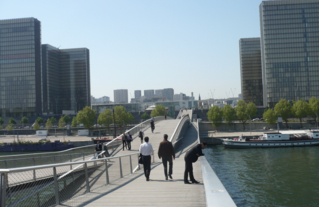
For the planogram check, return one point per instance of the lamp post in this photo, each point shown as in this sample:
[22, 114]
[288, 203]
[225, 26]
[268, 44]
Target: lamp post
[114, 125]
[249, 124]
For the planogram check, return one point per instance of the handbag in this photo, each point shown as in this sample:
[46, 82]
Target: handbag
[140, 159]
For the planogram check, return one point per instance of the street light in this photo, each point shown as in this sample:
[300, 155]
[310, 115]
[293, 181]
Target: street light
[114, 125]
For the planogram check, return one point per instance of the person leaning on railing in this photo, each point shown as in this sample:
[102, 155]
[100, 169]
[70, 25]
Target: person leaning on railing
[190, 157]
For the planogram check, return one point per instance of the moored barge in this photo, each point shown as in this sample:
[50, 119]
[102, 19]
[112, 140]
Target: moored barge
[274, 140]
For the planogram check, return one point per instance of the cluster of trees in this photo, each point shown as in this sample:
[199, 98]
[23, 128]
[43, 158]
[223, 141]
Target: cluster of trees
[299, 109]
[158, 111]
[241, 112]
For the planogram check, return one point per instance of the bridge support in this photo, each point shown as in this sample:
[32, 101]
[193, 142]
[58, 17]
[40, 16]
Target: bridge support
[3, 181]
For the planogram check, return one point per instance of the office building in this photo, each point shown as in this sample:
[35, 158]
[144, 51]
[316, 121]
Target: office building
[289, 50]
[159, 93]
[250, 70]
[120, 96]
[20, 67]
[137, 94]
[66, 79]
[168, 93]
[102, 100]
[149, 93]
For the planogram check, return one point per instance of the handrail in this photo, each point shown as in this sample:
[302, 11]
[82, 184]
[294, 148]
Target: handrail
[178, 129]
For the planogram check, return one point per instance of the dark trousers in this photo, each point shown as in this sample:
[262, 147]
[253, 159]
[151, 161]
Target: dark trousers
[141, 140]
[170, 162]
[147, 165]
[129, 144]
[188, 170]
[124, 144]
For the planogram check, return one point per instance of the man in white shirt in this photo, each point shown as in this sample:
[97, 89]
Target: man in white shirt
[146, 150]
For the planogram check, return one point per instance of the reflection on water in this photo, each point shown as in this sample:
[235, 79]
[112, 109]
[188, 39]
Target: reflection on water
[268, 177]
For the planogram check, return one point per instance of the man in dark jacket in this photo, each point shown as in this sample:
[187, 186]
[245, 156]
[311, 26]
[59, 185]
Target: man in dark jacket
[166, 152]
[190, 157]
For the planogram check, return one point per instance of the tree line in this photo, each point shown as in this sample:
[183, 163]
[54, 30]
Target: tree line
[298, 109]
[285, 109]
[241, 112]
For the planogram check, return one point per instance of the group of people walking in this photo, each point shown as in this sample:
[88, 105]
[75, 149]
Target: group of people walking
[166, 152]
[126, 140]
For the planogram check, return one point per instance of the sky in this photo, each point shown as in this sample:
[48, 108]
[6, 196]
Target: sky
[190, 46]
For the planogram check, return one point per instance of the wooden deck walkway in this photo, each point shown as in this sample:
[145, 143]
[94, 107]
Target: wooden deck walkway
[134, 190]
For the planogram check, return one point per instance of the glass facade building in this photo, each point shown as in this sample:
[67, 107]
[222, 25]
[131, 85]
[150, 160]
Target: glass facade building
[168, 93]
[20, 67]
[66, 79]
[121, 96]
[289, 50]
[250, 70]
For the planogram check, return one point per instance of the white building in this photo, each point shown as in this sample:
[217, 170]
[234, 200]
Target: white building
[121, 96]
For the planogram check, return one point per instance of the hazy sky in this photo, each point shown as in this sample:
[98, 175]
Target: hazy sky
[191, 46]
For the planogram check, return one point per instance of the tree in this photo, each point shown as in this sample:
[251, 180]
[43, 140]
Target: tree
[1, 121]
[215, 115]
[251, 109]
[145, 116]
[300, 109]
[241, 112]
[48, 125]
[313, 108]
[61, 123]
[36, 126]
[12, 121]
[24, 120]
[270, 116]
[106, 118]
[53, 120]
[158, 111]
[39, 120]
[9, 127]
[66, 119]
[229, 113]
[121, 116]
[86, 117]
[74, 122]
[283, 109]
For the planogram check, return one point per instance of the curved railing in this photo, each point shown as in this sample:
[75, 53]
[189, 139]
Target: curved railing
[69, 155]
[180, 130]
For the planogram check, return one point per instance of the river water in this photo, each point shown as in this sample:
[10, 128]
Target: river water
[268, 177]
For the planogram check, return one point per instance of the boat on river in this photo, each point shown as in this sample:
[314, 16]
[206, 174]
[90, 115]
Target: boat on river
[271, 140]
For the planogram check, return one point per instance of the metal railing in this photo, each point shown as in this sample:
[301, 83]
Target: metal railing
[70, 155]
[56, 183]
[49, 185]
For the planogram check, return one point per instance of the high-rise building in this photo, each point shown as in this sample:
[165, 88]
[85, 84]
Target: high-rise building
[20, 67]
[121, 96]
[159, 92]
[168, 93]
[137, 94]
[250, 70]
[149, 93]
[66, 79]
[289, 50]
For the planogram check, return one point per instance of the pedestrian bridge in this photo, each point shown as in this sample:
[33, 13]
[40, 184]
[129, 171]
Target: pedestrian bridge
[118, 180]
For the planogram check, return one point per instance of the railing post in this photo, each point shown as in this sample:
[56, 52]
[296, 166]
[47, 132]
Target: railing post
[56, 185]
[87, 178]
[3, 181]
[121, 173]
[34, 175]
[71, 161]
[131, 164]
[153, 157]
[107, 173]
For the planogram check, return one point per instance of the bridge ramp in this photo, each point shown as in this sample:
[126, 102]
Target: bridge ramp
[134, 190]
